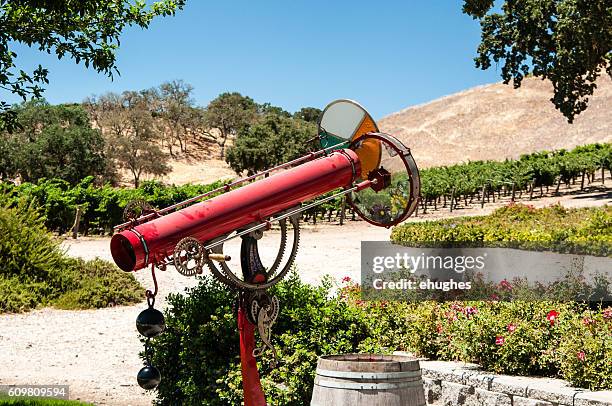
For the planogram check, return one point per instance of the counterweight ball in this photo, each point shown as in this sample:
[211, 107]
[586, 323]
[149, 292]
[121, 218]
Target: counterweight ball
[150, 322]
[149, 377]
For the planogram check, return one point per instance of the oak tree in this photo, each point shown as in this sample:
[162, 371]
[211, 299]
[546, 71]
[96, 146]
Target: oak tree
[568, 42]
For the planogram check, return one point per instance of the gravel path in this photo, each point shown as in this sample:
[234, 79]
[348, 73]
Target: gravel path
[96, 351]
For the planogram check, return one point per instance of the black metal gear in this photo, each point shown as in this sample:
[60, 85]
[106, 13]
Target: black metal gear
[226, 276]
[135, 209]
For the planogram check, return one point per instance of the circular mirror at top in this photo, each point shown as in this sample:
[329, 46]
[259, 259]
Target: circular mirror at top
[343, 121]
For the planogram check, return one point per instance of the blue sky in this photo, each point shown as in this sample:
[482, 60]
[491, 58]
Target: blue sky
[388, 55]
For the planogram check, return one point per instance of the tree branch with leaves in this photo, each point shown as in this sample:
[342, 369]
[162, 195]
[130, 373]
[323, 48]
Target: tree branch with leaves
[568, 42]
[86, 31]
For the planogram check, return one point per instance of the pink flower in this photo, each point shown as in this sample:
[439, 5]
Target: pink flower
[581, 355]
[505, 285]
[607, 313]
[588, 321]
[469, 310]
[456, 307]
[500, 340]
[451, 316]
[511, 327]
[346, 279]
[552, 316]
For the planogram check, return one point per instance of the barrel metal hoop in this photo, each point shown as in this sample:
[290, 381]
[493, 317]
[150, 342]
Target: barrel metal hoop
[368, 386]
[369, 375]
[144, 244]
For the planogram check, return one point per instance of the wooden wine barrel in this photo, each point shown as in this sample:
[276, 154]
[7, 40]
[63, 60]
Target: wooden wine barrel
[368, 380]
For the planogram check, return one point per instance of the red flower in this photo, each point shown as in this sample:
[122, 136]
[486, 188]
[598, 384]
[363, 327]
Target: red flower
[500, 340]
[581, 355]
[439, 328]
[511, 327]
[552, 316]
[346, 279]
[505, 285]
[494, 297]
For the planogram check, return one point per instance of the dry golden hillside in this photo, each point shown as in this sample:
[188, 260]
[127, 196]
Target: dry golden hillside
[496, 121]
[486, 122]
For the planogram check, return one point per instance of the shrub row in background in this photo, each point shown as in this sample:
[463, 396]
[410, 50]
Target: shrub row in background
[586, 230]
[199, 360]
[102, 207]
[36, 272]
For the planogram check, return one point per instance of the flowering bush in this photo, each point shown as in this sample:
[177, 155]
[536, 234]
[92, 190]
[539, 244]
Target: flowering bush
[555, 339]
[198, 355]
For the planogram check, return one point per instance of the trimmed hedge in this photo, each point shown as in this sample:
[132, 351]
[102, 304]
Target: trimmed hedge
[583, 230]
[36, 272]
[546, 338]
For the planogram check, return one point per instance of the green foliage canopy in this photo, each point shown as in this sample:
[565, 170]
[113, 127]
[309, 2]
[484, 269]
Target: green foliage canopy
[132, 134]
[272, 140]
[568, 42]
[86, 31]
[53, 142]
[310, 114]
[228, 114]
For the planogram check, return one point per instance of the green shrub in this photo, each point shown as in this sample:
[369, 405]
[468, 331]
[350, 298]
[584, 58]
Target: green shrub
[585, 350]
[22, 401]
[99, 284]
[36, 272]
[198, 355]
[545, 338]
[584, 230]
[102, 207]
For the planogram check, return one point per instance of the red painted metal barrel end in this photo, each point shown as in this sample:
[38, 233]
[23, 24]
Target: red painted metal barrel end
[123, 252]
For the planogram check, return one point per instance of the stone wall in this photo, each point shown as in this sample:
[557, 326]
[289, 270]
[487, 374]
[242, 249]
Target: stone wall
[457, 383]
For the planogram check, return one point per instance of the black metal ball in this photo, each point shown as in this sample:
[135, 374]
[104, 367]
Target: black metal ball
[150, 322]
[149, 377]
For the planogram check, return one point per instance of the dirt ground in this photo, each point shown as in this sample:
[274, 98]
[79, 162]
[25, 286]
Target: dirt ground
[96, 351]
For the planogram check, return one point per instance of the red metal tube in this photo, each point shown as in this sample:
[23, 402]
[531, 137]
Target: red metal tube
[151, 242]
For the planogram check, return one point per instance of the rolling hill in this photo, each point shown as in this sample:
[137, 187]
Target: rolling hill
[486, 122]
[496, 121]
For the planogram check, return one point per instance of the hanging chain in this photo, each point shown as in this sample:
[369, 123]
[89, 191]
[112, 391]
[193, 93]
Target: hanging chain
[149, 352]
[150, 295]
